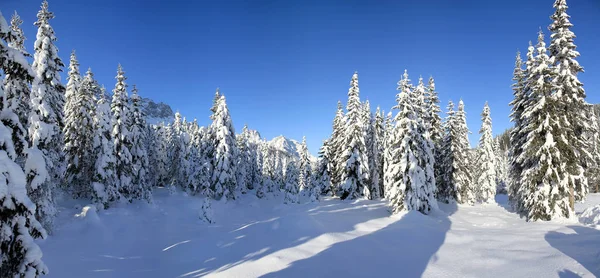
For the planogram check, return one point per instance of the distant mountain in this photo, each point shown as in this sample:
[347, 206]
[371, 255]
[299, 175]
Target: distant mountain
[288, 146]
[285, 145]
[157, 112]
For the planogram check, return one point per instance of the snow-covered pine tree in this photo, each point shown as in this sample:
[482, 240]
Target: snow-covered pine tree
[79, 136]
[571, 96]
[292, 186]
[446, 192]
[412, 165]
[545, 190]
[45, 121]
[356, 167]
[104, 180]
[267, 168]
[461, 174]
[223, 180]
[150, 144]
[253, 170]
[21, 256]
[139, 155]
[501, 166]
[592, 167]
[372, 151]
[517, 133]
[485, 185]
[434, 124]
[336, 143]
[73, 86]
[304, 169]
[121, 136]
[322, 178]
[162, 158]
[379, 126]
[387, 155]
[243, 161]
[176, 152]
[16, 87]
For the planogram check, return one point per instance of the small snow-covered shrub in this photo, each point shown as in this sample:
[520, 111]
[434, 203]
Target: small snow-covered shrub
[206, 214]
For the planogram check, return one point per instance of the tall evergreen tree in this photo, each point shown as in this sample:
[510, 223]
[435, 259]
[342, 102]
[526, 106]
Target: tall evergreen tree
[304, 169]
[104, 180]
[461, 174]
[21, 255]
[517, 133]
[485, 185]
[243, 174]
[412, 164]
[16, 86]
[322, 175]
[292, 187]
[356, 168]
[571, 96]
[79, 137]
[121, 136]
[176, 152]
[546, 185]
[388, 155]
[139, 155]
[446, 191]
[372, 151]
[73, 85]
[45, 121]
[336, 148]
[223, 178]
[379, 126]
[162, 158]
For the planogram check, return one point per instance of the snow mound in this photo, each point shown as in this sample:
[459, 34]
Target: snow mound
[590, 216]
[89, 215]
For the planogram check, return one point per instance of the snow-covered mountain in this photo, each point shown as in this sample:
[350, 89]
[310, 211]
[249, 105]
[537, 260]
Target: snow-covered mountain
[286, 145]
[157, 112]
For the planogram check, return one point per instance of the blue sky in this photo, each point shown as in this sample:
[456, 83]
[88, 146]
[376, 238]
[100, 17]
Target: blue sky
[283, 65]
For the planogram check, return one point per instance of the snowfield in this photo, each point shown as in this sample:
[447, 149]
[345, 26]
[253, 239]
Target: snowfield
[333, 238]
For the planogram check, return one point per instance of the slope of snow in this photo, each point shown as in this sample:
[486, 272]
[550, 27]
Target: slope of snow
[333, 238]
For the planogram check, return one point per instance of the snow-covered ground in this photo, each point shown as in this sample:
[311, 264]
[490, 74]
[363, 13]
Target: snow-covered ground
[333, 238]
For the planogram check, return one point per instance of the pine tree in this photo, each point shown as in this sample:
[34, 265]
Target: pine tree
[372, 152]
[45, 121]
[104, 180]
[121, 136]
[356, 169]
[485, 185]
[434, 125]
[517, 134]
[243, 164]
[223, 179]
[176, 152]
[139, 155]
[73, 85]
[79, 137]
[292, 186]
[304, 169]
[379, 127]
[162, 159]
[446, 190]
[336, 148]
[322, 176]
[571, 97]
[387, 155]
[16, 86]
[592, 172]
[412, 164]
[461, 176]
[545, 191]
[21, 255]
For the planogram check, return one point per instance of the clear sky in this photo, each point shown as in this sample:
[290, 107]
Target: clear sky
[283, 65]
